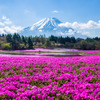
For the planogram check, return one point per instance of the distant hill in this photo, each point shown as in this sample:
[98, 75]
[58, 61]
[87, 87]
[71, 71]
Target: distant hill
[50, 26]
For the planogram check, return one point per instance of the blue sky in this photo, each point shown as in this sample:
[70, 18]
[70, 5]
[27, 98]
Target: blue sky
[27, 12]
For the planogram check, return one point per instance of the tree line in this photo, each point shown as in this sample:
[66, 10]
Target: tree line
[17, 42]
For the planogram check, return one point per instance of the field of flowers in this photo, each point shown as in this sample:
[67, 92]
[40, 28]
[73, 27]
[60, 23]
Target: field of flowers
[49, 78]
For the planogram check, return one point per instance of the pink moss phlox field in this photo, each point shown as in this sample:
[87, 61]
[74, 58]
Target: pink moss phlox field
[49, 78]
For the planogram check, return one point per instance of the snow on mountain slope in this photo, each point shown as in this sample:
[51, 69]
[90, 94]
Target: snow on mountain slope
[46, 23]
[49, 26]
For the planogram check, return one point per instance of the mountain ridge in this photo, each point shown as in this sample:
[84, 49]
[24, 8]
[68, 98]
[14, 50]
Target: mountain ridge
[50, 26]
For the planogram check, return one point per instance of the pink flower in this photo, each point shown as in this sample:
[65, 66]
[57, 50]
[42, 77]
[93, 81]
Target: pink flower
[57, 94]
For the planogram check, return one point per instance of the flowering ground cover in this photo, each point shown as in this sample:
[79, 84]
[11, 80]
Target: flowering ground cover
[49, 78]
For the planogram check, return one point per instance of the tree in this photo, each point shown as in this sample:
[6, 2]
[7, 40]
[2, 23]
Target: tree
[89, 40]
[53, 38]
[61, 40]
[24, 40]
[48, 44]
[9, 38]
[73, 40]
[97, 46]
[30, 43]
[16, 37]
[67, 39]
[5, 46]
[16, 41]
[42, 39]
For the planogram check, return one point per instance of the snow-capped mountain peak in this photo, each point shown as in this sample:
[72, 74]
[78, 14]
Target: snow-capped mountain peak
[49, 26]
[50, 22]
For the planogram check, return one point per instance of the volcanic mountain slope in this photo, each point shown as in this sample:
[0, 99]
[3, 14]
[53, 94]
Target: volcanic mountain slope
[49, 26]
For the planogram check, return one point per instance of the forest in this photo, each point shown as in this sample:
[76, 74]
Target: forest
[17, 42]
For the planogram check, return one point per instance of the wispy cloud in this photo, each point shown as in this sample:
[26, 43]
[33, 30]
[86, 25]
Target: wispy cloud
[7, 26]
[89, 25]
[2, 24]
[6, 20]
[69, 32]
[83, 32]
[55, 11]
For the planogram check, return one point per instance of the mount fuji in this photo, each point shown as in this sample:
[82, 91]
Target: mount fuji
[50, 26]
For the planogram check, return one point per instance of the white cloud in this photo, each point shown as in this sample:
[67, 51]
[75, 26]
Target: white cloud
[2, 31]
[7, 26]
[69, 32]
[2, 24]
[6, 20]
[12, 29]
[55, 11]
[84, 33]
[89, 25]
[4, 17]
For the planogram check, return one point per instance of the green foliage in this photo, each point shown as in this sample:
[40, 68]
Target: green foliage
[9, 38]
[94, 80]
[17, 42]
[69, 45]
[24, 40]
[53, 38]
[5, 46]
[86, 45]
[48, 44]
[30, 43]
[2, 97]
[97, 46]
